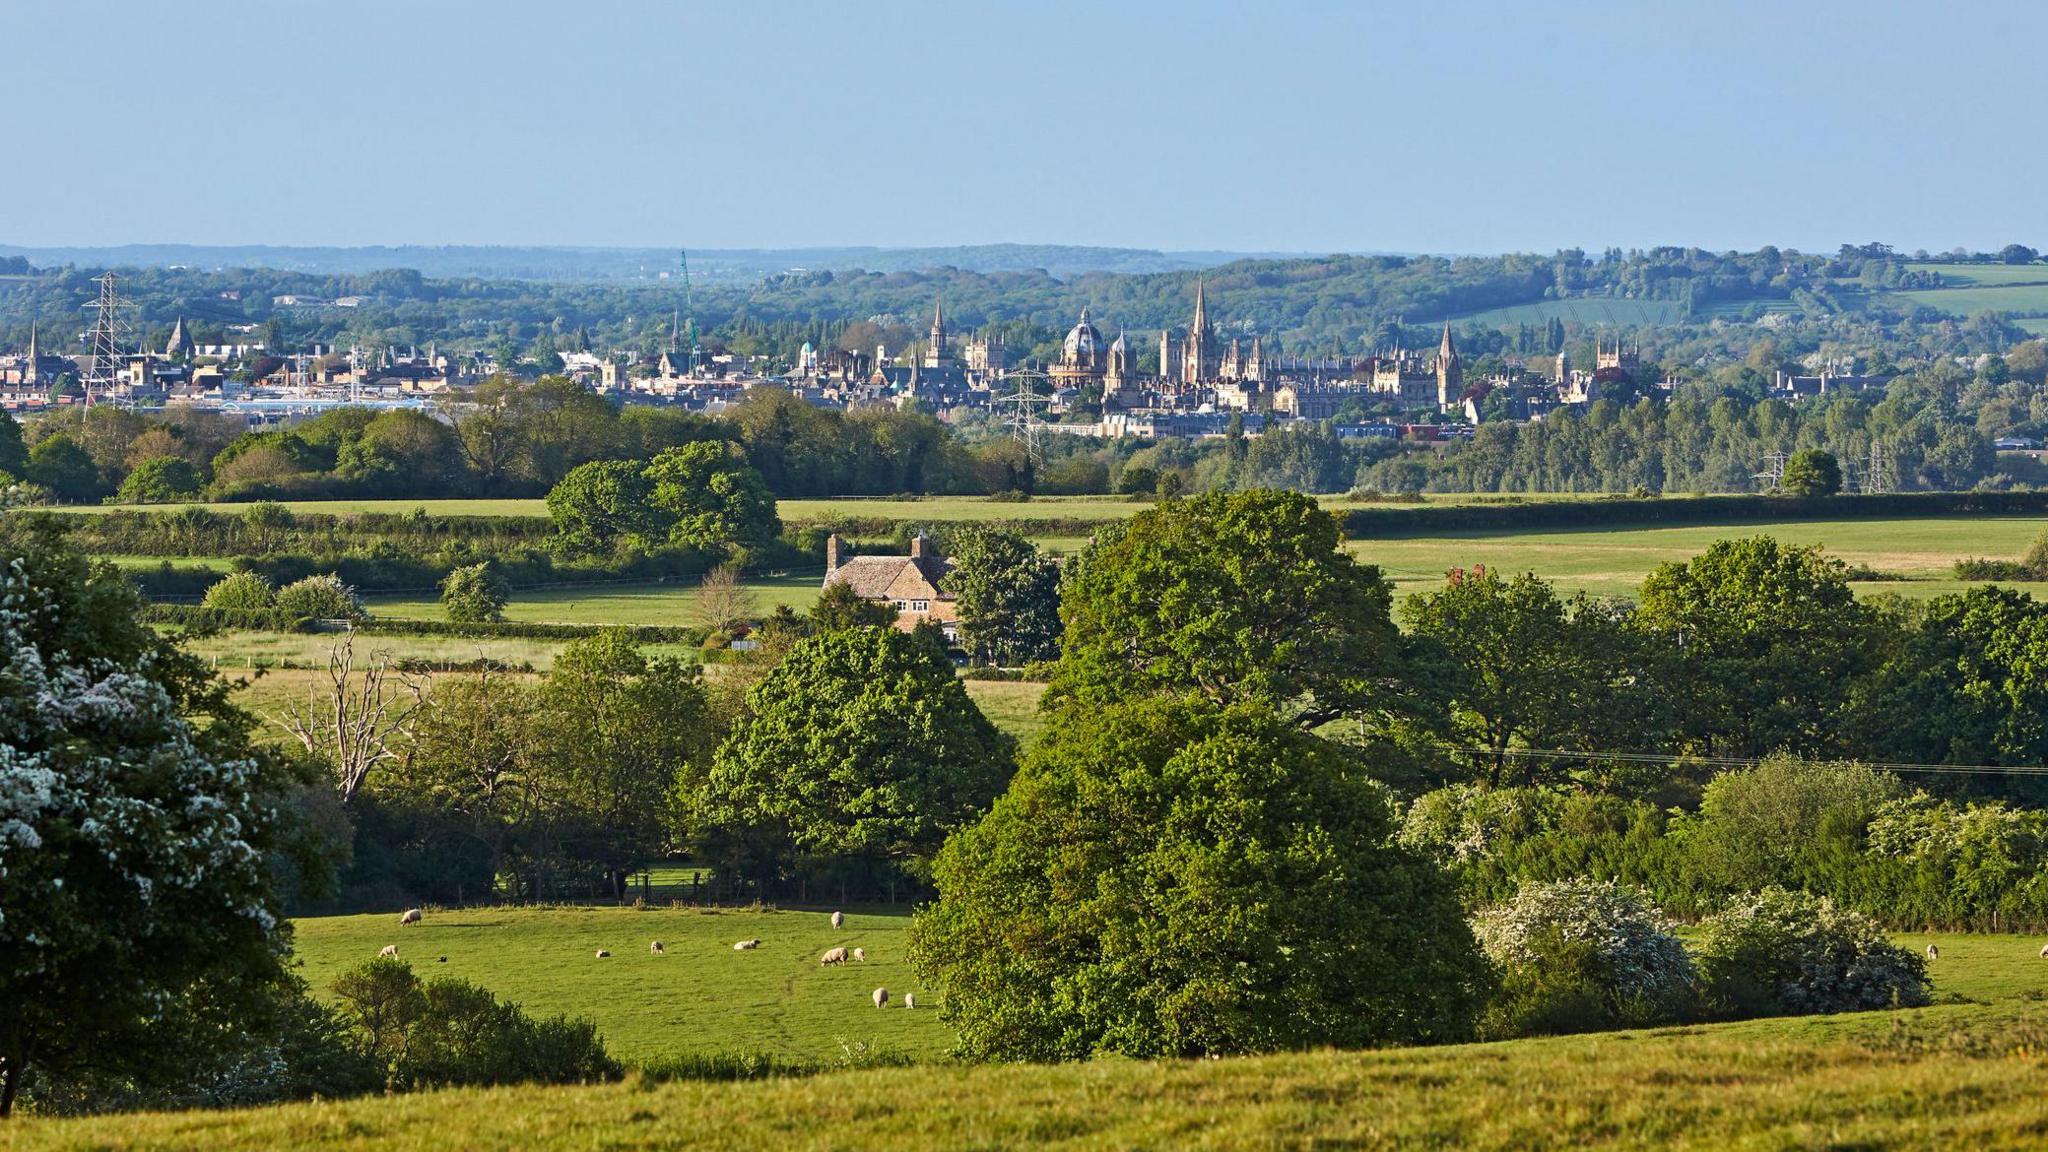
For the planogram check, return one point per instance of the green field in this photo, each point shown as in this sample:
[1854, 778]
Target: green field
[1613, 561]
[1970, 301]
[1980, 275]
[637, 604]
[701, 996]
[1975, 1078]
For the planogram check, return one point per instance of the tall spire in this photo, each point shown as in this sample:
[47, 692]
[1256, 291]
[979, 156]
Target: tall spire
[33, 375]
[1447, 350]
[1201, 308]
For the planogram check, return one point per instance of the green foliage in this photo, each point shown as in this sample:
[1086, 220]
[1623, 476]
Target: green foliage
[711, 498]
[1526, 669]
[1238, 596]
[861, 744]
[60, 465]
[474, 594]
[1171, 877]
[604, 503]
[1582, 956]
[160, 480]
[13, 449]
[1968, 683]
[839, 607]
[320, 598]
[1007, 596]
[1761, 826]
[1769, 639]
[1811, 472]
[446, 1032]
[241, 592]
[1781, 953]
[134, 822]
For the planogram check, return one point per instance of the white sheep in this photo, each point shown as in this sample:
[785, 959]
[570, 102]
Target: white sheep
[838, 918]
[832, 956]
[860, 953]
[2044, 951]
[654, 949]
[1933, 953]
[390, 950]
[746, 945]
[881, 997]
[604, 954]
[910, 999]
[411, 916]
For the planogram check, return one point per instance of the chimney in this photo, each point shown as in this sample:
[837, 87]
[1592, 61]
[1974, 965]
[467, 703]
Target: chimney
[832, 553]
[917, 547]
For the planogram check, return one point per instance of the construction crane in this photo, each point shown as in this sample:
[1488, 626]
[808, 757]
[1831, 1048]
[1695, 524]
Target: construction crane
[689, 308]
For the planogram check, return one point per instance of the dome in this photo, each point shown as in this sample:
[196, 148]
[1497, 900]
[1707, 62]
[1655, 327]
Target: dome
[1084, 343]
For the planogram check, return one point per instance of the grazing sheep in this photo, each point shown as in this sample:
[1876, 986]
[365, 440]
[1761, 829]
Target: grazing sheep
[1933, 953]
[2044, 951]
[412, 916]
[832, 956]
[603, 954]
[881, 997]
[655, 948]
[860, 953]
[838, 918]
[389, 950]
[746, 946]
[910, 999]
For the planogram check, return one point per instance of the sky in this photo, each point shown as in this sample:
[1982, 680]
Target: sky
[1456, 127]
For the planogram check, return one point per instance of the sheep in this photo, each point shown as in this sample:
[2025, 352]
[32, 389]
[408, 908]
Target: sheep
[1933, 953]
[390, 950]
[746, 945]
[412, 916]
[832, 956]
[910, 1000]
[654, 949]
[604, 954]
[838, 918]
[2044, 951]
[881, 997]
[860, 953]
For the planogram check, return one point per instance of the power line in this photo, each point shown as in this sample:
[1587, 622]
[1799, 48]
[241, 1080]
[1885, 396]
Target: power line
[1751, 761]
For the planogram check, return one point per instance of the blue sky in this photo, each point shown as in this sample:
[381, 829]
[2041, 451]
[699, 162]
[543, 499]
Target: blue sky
[1449, 127]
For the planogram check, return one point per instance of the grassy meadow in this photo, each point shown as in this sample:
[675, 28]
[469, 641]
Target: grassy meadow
[1969, 1073]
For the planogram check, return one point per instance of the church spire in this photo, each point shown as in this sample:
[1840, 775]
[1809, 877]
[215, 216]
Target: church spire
[1201, 308]
[33, 375]
[1447, 350]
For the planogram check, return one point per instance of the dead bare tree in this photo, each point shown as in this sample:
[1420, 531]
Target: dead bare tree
[357, 720]
[722, 601]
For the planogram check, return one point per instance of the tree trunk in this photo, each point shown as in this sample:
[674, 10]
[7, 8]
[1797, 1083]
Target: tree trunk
[11, 1070]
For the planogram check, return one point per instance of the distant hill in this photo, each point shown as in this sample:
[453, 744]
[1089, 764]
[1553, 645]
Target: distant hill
[710, 265]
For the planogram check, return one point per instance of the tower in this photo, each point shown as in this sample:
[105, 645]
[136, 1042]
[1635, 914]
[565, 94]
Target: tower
[935, 354]
[33, 373]
[1450, 375]
[1198, 357]
[1169, 358]
[1118, 374]
[180, 344]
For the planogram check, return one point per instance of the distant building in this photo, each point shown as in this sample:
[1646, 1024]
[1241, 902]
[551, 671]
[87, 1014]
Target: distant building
[910, 584]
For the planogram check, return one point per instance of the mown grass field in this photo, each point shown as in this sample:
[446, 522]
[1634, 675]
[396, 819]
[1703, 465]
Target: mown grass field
[1979, 275]
[1839, 1082]
[1965, 302]
[1613, 561]
[670, 604]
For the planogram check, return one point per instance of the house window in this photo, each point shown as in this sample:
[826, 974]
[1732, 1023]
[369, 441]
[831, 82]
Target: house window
[899, 605]
[920, 605]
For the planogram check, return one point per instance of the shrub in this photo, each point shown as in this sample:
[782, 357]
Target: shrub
[160, 480]
[1780, 953]
[1582, 956]
[1466, 822]
[241, 592]
[320, 598]
[448, 1032]
[474, 594]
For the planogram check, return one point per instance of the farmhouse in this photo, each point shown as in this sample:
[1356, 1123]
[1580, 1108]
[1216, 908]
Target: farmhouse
[910, 584]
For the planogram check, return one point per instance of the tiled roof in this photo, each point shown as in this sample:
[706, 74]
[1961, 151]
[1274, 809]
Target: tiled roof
[871, 576]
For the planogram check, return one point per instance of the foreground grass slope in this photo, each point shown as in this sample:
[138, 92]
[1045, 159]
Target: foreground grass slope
[1840, 1083]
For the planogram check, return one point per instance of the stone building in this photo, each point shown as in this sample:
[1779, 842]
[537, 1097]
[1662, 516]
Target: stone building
[910, 584]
